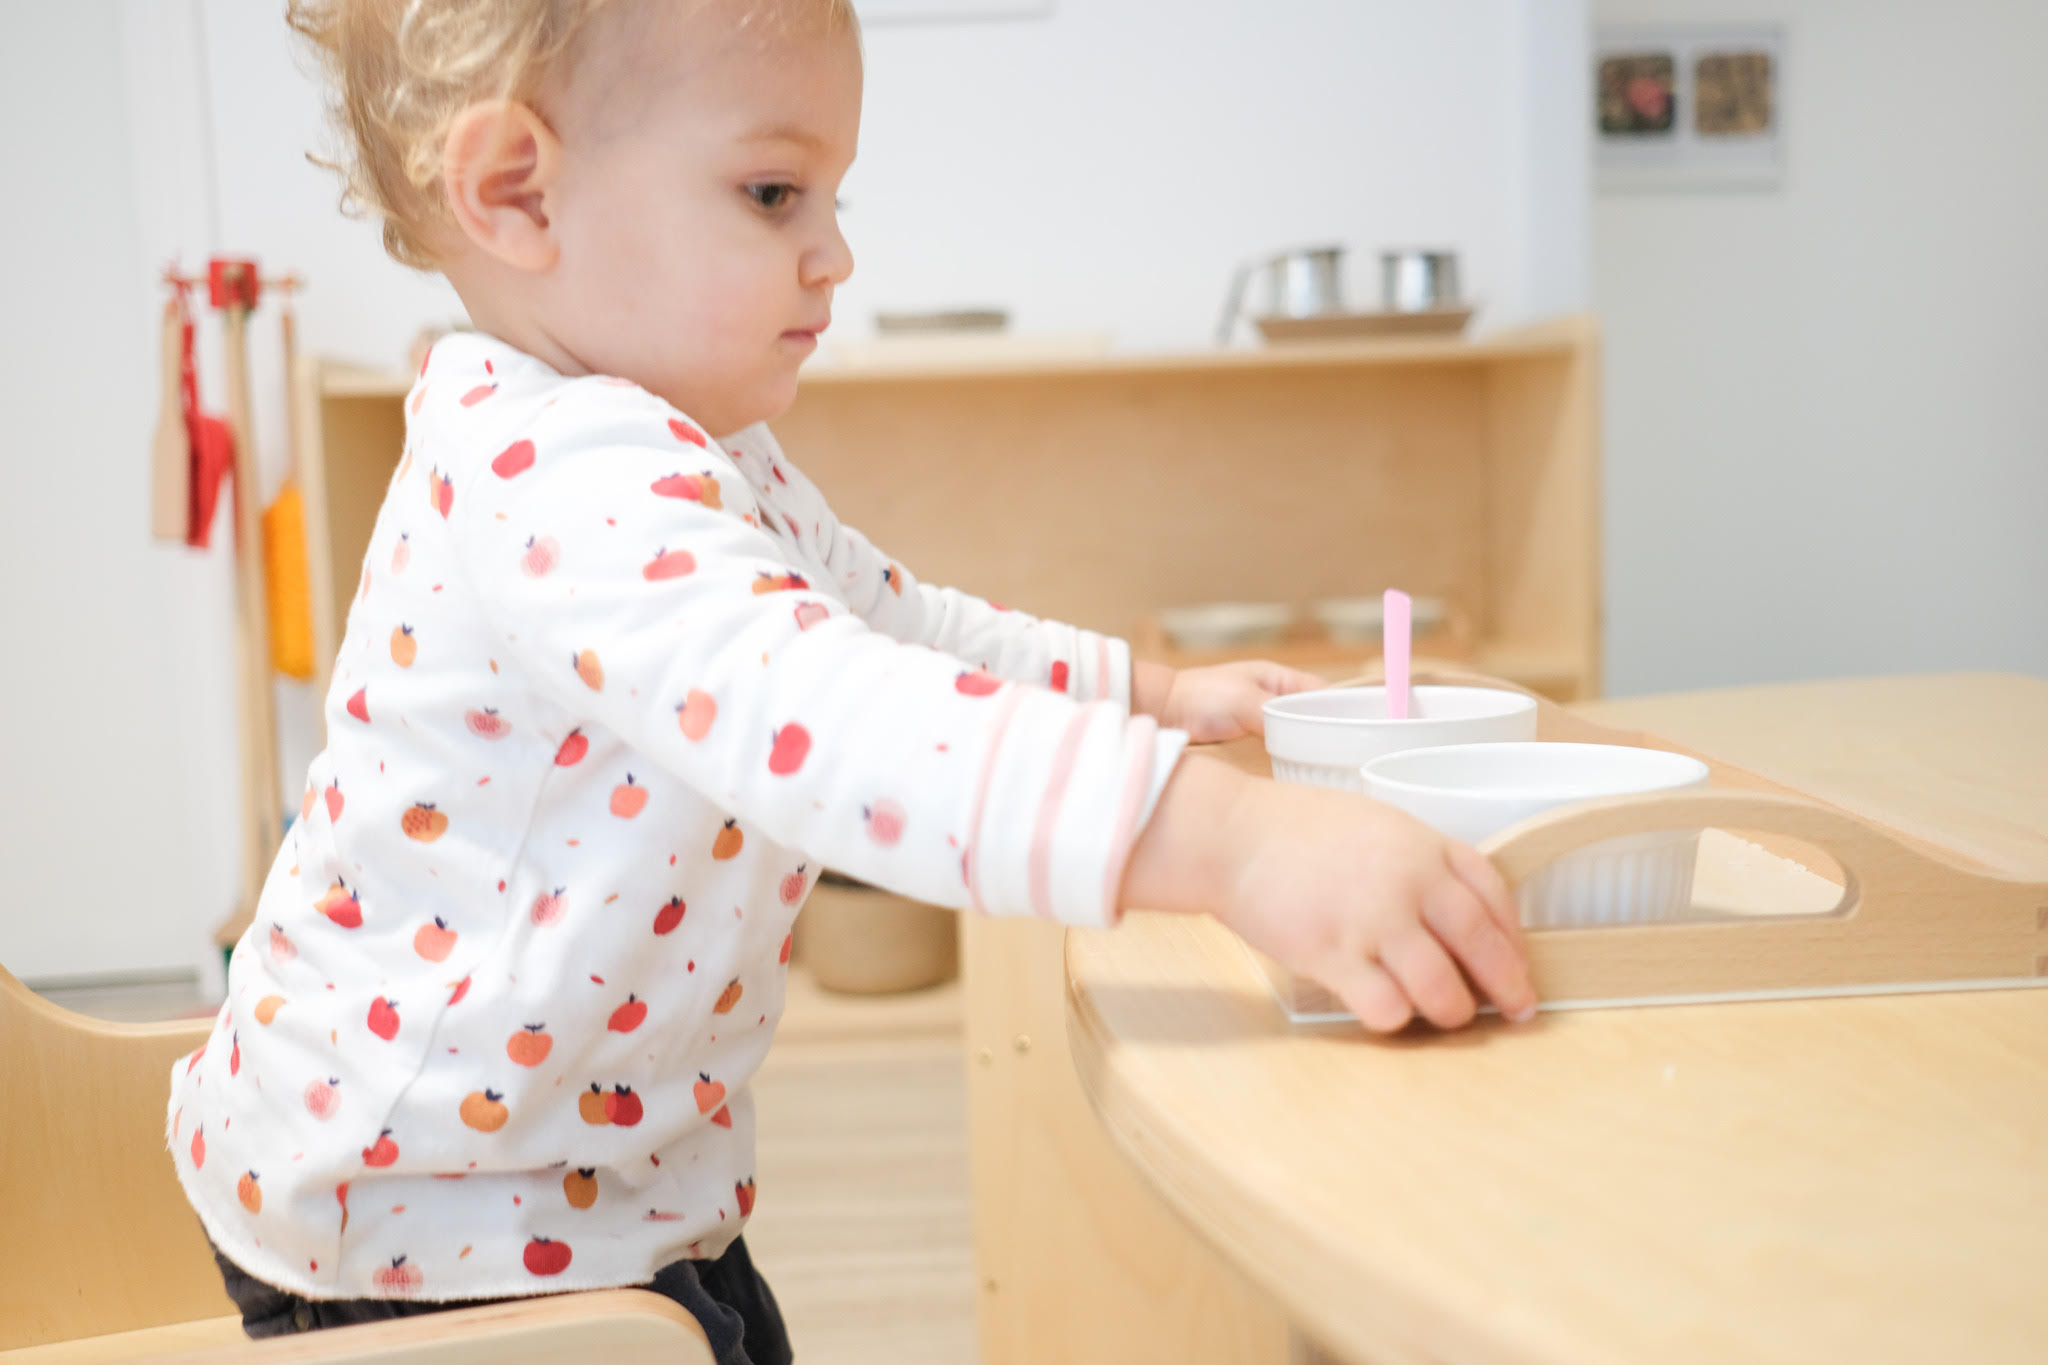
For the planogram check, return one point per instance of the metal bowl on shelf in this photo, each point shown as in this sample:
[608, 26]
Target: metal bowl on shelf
[1362, 618]
[1225, 625]
[949, 320]
[1415, 280]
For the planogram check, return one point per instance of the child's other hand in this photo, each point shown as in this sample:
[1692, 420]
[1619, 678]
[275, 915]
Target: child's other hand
[1223, 702]
[1396, 919]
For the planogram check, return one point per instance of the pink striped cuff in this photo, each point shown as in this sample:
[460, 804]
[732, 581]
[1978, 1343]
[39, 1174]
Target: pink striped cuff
[1012, 695]
[1139, 735]
[1049, 810]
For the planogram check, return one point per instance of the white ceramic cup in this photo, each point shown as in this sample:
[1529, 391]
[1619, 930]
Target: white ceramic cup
[1473, 791]
[1324, 738]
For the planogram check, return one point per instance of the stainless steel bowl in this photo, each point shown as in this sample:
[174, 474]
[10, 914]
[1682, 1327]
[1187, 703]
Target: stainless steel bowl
[1418, 281]
[956, 320]
[1306, 283]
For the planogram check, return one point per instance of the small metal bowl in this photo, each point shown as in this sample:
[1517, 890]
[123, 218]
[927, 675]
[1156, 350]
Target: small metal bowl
[1360, 618]
[1225, 625]
[1413, 280]
[956, 320]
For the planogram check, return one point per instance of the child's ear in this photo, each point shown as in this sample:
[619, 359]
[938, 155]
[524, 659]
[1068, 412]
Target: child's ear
[500, 165]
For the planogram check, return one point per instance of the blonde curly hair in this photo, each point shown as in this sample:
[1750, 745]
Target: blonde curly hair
[399, 72]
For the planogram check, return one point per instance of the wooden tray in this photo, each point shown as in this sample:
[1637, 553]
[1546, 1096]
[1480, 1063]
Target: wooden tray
[1907, 915]
[1352, 326]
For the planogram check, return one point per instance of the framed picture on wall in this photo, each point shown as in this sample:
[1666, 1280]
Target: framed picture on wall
[1685, 107]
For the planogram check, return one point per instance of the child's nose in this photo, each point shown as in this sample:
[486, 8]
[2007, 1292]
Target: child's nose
[830, 262]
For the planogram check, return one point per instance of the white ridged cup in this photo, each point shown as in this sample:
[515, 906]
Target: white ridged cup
[1473, 791]
[1324, 738]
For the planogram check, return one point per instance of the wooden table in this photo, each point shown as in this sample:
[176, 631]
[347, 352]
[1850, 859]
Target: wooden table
[1847, 1179]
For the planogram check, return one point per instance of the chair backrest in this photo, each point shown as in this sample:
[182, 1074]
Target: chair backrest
[95, 1233]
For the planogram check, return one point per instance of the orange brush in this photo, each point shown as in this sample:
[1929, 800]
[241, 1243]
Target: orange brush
[284, 543]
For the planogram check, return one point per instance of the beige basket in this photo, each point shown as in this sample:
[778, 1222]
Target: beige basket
[862, 940]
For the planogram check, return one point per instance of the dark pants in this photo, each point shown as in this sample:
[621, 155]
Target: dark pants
[727, 1297]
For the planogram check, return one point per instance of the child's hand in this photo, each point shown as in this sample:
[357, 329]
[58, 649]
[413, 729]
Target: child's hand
[1218, 703]
[1346, 891]
[1376, 906]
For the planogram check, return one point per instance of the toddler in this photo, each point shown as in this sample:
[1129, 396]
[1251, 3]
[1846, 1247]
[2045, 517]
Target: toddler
[617, 686]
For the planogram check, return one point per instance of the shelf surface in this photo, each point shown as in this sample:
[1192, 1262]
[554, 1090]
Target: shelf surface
[1550, 339]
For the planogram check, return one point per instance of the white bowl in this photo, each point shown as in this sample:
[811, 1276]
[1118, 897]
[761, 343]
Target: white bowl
[1473, 791]
[1324, 738]
[1225, 625]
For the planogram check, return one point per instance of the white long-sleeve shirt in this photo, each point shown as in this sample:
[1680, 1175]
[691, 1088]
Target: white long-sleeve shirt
[611, 695]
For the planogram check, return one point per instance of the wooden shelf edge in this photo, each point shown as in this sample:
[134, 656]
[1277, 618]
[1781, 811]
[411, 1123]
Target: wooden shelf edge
[341, 380]
[1294, 356]
[1555, 338]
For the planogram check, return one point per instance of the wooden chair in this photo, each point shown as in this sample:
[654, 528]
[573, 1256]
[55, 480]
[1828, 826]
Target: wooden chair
[102, 1260]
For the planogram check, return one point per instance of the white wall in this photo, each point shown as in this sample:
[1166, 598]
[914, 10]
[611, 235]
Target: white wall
[119, 755]
[1103, 169]
[1827, 426]
[1107, 167]
[1098, 169]
[1548, 203]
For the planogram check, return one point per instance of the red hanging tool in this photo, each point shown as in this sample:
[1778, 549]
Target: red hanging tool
[211, 442]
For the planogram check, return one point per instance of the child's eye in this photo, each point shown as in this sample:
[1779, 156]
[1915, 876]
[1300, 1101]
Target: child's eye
[772, 196]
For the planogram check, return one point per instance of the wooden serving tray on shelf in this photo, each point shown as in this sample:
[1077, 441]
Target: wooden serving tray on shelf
[1898, 914]
[1444, 321]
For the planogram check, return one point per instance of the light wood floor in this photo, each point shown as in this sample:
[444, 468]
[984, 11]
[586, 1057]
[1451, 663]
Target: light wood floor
[862, 1225]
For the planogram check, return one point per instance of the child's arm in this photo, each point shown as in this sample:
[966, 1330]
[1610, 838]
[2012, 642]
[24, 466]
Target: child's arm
[1346, 891]
[668, 617]
[1013, 645]
[1211, 704]
[1217, 703]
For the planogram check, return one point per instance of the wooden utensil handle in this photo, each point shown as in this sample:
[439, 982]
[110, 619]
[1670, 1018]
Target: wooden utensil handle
[1864, 852]
[1524, 849]
[170, 444]
[1909, 919]
[262, 817]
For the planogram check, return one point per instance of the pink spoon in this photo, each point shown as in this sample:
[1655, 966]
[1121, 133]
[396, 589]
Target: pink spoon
[1395, 632]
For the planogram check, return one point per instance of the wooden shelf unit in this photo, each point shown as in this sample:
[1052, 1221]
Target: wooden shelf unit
[1100, 489]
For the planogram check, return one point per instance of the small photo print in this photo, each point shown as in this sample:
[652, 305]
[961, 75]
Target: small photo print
[1637, 94]
[1732, 94]
[1688, 106]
